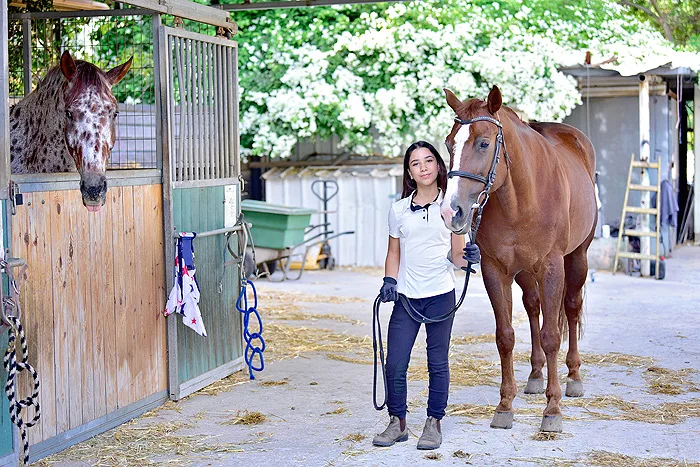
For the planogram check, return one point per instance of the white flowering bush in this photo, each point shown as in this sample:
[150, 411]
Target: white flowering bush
[374, 76]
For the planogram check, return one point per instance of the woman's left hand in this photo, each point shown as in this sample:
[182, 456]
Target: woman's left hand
[472, 254]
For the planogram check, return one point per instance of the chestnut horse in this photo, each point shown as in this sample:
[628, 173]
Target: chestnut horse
[68, 123]
[538, 219]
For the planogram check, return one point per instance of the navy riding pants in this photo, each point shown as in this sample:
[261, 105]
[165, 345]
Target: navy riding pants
[401, 337]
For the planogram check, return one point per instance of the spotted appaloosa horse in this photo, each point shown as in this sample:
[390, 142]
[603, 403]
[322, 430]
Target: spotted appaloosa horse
[68, 123]
[536, 228]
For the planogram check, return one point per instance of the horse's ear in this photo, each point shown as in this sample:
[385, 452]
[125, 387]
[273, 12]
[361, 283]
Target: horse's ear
[452, 100]
[117, 73]
[495, 100]
[67, 65]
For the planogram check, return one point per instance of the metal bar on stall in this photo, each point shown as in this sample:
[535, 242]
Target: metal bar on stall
[211, 138]
[234, 128]
[227, 115]
[27, 54]
[218, 124]
[197, 120]
[210, 233]
[4, 104]
[231, 111]
[189, 77]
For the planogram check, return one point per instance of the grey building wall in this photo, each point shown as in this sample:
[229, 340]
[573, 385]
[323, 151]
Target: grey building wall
[614, 132]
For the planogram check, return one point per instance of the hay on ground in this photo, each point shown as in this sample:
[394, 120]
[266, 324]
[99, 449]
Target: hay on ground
[433, 456]
[285, 342]
[273, 383]
[244, 417]
[269, 297]
[355, 437]
[131, 444]
[337, 411]
[471, 339]
[464, 371]
[673, 382]
[225, 384]
[613, 459]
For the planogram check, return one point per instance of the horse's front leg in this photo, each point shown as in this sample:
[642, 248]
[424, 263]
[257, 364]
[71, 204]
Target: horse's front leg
[499, 288]
[551, 282]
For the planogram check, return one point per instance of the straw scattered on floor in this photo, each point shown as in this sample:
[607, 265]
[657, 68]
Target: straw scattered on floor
[613, 459]
[273, 297]
[337, 411]
[134, 445]
[465, 370]
[672, 382]
[433, 456]
[244, 417]
[284, 342]
[225, 384]
[273, 383]
[355, 437]
[470, 339]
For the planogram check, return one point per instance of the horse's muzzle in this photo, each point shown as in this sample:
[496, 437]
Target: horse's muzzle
[94, 191]
[456, 217]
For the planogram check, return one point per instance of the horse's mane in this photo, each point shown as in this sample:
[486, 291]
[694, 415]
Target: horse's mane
[86, 76]
[473, 105]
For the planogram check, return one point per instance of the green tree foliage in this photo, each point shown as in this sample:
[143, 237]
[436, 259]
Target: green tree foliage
[678, 20]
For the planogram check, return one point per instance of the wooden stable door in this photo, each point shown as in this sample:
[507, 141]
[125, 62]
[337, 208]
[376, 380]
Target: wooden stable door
[91, 307]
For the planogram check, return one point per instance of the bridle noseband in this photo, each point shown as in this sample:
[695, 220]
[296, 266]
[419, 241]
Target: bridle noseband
[490, 178]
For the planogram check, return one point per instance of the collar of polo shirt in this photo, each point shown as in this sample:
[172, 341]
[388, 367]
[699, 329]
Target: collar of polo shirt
[417, 207]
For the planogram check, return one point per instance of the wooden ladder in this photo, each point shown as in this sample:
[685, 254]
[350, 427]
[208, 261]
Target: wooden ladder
[646, 189]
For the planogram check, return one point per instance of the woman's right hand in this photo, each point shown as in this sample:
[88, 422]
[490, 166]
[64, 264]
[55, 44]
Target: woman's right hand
[388, 291]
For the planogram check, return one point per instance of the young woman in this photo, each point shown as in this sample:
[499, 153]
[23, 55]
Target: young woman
[419, 265]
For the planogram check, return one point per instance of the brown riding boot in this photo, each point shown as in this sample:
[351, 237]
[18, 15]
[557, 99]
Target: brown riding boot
[392, 434]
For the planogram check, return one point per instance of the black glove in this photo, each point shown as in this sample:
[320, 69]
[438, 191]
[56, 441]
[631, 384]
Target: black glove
[388, 291]
[472, 254]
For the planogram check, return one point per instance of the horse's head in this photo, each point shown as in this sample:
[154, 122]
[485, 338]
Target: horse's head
[90, 116]
[475, 145]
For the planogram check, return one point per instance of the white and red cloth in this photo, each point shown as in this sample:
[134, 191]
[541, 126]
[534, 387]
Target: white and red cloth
[184, 297]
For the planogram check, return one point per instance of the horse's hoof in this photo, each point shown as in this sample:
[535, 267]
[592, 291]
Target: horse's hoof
[551, 423]
[574, 388]
[534, 386]
[502, 420]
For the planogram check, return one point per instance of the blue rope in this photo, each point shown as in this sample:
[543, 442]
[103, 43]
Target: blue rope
[251, 350]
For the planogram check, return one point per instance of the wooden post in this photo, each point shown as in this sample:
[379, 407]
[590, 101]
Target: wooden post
[644, 153]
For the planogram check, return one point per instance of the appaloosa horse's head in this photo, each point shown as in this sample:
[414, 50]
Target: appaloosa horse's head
[90, 114]
[476, 146]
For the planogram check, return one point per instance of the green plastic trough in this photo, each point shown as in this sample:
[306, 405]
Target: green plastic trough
[276, 226]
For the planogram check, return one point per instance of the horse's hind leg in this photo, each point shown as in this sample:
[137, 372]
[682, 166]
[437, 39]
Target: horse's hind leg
[575, 270]
[531, 300]
[551, 288]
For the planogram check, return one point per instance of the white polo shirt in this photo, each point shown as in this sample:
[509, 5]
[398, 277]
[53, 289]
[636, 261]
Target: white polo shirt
[425, 269]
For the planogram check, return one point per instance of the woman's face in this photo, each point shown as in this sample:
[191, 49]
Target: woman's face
[423, 167]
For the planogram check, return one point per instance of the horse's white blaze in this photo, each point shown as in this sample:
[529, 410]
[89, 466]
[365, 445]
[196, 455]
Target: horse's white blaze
[460, 140]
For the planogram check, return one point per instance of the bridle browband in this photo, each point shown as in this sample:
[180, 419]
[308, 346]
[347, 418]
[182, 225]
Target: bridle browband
[490, 178]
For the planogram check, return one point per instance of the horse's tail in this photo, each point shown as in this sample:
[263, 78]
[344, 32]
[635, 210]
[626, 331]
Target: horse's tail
[564, 322]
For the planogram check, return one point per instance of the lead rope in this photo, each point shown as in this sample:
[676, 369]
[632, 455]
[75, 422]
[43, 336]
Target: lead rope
[13, 367]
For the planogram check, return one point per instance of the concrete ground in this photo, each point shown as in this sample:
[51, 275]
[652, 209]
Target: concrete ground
[641, 351]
